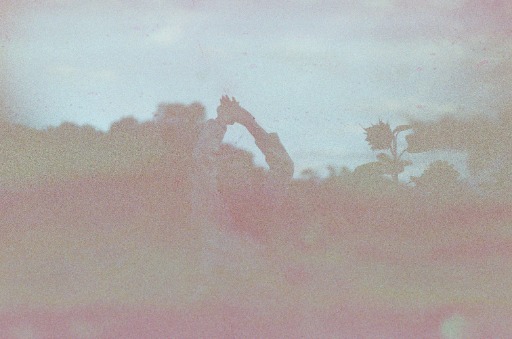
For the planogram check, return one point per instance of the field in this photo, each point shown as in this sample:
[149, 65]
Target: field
[103, 257]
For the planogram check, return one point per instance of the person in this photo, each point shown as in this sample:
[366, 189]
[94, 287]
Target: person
[210, 212]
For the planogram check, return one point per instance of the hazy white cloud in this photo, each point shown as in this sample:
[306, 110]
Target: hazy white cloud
[171, 29]
[166, 35]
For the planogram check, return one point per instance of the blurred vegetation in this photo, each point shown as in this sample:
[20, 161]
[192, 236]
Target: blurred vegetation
[151, 161]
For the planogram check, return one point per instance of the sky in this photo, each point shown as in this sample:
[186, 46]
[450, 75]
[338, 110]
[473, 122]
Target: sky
[313, 71]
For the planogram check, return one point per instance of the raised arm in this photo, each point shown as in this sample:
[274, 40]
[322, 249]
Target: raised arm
[280, 164]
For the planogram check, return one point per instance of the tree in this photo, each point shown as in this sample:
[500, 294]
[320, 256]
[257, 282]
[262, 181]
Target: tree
[440, 176]
[309, 174]
[124, 125]
[381, 138]
[180, 115]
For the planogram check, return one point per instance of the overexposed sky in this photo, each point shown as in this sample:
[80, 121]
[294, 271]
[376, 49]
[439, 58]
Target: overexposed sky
[313, 71]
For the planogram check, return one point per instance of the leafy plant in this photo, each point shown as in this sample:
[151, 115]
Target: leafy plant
[438, 177]
[381, 137]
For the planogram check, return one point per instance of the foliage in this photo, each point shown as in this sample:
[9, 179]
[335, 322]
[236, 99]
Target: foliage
[179, 114]
[309, 174]
[440, 176]
[162, 145]
[381, 137]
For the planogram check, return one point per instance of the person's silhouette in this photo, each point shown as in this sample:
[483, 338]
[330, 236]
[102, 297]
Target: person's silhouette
[210, 212]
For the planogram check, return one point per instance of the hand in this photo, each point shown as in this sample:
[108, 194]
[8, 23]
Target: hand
[225, 111]
[231, 109]
[242, 116]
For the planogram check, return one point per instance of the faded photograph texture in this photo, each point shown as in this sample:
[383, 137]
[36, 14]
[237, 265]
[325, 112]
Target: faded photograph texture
[255, 169]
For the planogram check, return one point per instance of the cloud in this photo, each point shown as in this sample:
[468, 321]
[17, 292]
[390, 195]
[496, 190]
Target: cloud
[167, 35]
[172, 27]
[75, 73]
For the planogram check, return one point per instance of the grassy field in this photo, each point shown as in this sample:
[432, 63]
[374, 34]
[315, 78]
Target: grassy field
[105, 258]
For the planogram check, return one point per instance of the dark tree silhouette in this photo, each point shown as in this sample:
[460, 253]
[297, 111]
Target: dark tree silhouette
[439, 177]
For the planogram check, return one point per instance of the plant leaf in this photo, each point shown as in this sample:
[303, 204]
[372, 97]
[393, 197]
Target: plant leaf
[384, 157]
